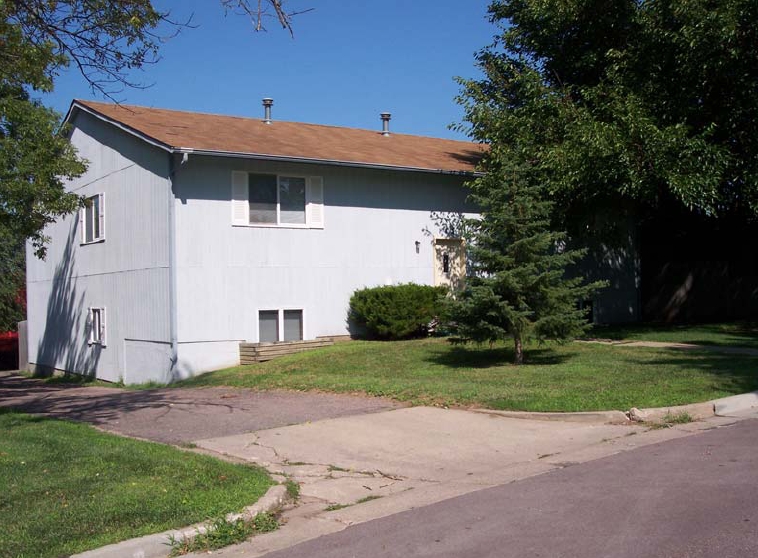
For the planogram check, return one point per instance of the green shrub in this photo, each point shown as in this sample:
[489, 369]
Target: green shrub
[396, 311]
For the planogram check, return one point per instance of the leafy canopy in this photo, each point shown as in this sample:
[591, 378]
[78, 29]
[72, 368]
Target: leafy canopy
[624, 104]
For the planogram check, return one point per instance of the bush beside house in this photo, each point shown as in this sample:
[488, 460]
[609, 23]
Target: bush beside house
[396, 311]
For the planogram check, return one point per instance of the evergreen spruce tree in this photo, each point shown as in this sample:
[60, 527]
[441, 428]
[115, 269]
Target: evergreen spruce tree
[517, 286]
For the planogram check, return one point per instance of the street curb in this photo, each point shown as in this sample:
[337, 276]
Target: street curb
[157, 544]
[696, 411]
[724, 407]
[603, 417]
[728, 406]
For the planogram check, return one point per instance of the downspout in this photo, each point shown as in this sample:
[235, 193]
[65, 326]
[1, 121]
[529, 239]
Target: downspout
[172, 301]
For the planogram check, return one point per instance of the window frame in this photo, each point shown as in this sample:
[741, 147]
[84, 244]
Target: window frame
[279, 224]
[280, 322]
[313, 207]
[97, 336]
[302, 323]
[84, 217]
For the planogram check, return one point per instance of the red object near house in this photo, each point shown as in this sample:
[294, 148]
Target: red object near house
[9, 350]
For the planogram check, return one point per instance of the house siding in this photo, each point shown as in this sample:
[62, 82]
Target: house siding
[226, 273]
[618, 264]
[127, 273]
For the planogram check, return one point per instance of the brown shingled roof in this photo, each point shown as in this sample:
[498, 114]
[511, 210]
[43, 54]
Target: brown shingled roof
[178, 130]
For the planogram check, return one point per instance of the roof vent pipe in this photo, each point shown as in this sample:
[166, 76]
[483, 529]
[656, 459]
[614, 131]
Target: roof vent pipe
[385, 123]
[267, 104]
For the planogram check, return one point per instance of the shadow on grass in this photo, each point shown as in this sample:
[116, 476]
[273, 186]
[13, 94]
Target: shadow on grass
[732, 374]
[481, 356]
[733, 334]
[96, 405]
[69, 378]
[21, 416]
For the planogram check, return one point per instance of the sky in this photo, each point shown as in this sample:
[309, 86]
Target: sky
[349, 60]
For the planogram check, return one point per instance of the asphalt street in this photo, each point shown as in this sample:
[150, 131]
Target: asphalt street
[691, 497]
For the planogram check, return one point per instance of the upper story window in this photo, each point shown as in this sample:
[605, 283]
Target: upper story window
[92, 219]
[277, 200]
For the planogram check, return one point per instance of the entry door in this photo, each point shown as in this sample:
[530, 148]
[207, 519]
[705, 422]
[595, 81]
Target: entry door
[449, 262]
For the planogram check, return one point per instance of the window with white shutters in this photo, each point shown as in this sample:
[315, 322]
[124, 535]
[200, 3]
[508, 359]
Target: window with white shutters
[269, 200]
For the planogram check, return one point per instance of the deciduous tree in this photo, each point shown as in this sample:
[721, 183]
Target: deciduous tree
[624, 104]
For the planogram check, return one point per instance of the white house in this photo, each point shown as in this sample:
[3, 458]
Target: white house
[203, 231]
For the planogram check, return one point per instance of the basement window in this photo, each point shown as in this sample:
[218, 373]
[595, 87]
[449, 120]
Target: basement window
[268, 326]
[280, 325]
[293, 325]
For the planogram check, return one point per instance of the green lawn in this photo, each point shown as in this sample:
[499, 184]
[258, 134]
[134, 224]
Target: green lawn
[732, 334]
[67, 487]
[573, 377]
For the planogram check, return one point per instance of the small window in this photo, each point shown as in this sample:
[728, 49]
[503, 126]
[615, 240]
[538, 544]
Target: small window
[293, 325]
[96, 321]
[92, 220]
[280, 325]
[268, 326]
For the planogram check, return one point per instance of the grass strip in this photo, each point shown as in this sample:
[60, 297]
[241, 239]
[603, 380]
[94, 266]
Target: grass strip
[68, 487]
[729, 334]
[571, 377]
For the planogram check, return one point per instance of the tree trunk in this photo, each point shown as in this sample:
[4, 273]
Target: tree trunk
[519, 359]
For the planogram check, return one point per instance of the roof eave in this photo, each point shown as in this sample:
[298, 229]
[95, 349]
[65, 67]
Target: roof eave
[128, 129]
[318, 161]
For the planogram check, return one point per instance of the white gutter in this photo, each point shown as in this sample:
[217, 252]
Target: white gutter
[309, 160]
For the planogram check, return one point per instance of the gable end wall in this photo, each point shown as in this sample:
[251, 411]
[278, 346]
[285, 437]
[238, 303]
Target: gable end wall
[127, 273]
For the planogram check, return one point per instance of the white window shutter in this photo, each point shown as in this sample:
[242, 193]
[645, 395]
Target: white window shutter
[240, 207]
[101, 216]
[102, 327]
[315, 202]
